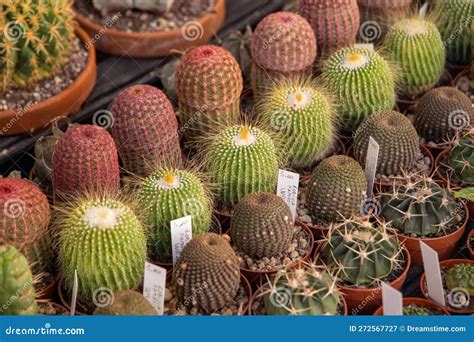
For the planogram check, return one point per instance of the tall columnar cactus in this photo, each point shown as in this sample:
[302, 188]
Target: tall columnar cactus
[417, 206]
[283, 45]
[304, 118]
[241, 159]
[17, 293]
[168, 194]
[206, 274]
[461, 159]
[307, 291]
[262, 225]
[35, 41]
[460, 277]
[85, 160]
[208, 84]
[144, 128]
[399, 143]
[335, 22]
[101, 238]
[127, 303]
[362, 252]
[362, 82]
[337, 189]
[415, 44]
[441, 112]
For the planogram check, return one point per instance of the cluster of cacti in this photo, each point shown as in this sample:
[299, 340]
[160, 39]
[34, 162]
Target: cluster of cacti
[307, 291]
[362, 82]
[262, 225]
[461, 159]
[415, 44]
[35, 41]
[283, 46]
[300, 113]
[337, 189]
[461, 277]
[206, 274]
[238, 44]
[145, 129]
[415, 310]
[17, 294]
[397, 138]
[168, 194]
[127, 303]
[361, 251]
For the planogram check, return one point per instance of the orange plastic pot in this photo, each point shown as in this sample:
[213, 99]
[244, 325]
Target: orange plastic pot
[469, 248]
[418, 302]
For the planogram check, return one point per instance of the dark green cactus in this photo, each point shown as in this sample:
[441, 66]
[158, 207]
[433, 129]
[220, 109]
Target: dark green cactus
[461, 159]
[460, 276]
[127, 303]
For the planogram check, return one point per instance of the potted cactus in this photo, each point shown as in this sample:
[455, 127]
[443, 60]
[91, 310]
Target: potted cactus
[418, 307]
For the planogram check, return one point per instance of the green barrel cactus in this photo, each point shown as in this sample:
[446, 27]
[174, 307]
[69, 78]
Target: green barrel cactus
[168, 194]
[337, 189]
[127, 303]
[460, 277]
[415, 310]
[362, 82]
[461, 159]
[17, 294]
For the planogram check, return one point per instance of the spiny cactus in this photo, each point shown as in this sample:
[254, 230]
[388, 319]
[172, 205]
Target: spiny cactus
[337, 189]
[17, 293]
[335, 22]
[85, 159]
[415, 310]
[415, 44]
[460, 276]
[206, 274]
[144, 128]
[361, 251]
[168, 194]
[262, 225]
[35, 41]
[397, 138]
[307, 291]
[238, 44]
[127, 303]
[303, 116]
[441, 112]
[461, 159]
[362, 82]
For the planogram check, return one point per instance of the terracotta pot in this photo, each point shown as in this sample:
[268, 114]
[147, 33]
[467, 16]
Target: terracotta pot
[469, 248]
[155, 44]
[224, 220]
[405, 105]
[465, 72]
[68, 101]
[449, 263]
[435, 150]
[49, 292]
[419, 302]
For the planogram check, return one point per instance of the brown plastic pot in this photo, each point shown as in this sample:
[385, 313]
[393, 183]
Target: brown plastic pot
[49, 292]
[155, 44]
[460, 73]
[469, 248]
[435, 150]
[65, 300]
[449, 263]
[70, 100]
[419, 302]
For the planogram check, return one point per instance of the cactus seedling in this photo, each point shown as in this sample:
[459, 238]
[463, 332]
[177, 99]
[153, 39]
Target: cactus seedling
[461, 159]
[460, 276]
[127, 303]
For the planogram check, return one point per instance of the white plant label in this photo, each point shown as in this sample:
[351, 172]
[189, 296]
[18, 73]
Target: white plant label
[392, 301]
[287, 189]
[371, 165]
[181, 233]
[75, 287]
[368, 46]
[154, 286]
[424, 9]
[434, 282]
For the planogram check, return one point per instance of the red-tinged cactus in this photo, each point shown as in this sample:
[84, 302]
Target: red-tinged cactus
[85, 160]
[144, 128]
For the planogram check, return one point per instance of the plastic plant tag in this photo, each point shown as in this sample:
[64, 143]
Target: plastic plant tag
[371, 165]
[392, 300]
[424, 9]
[154, 285]
[181, 233]
[368, 46]
[75, 287]
[434, 282]
[287, 189]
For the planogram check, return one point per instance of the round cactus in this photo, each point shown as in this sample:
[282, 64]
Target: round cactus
[415, 44]
[144, 128]
[127, 303]
[337, 189]
[35, 41]
[17, 293]
[460, 276]
[461, 159]
[262, 225]
[206, 274]
[415, 310]
[362, 82]
[168, 194]
[397, 138]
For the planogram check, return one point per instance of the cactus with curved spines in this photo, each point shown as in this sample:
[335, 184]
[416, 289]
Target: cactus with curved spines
[418, 206]
[168, 194]
[362, 82]
[101, 238]
[415, 310]
[399, 143]
[206, 274]
[461, 159]
[441, 112]
[416, 46]
[17, 293]
[35, 41]
[262, 225]
[278, 52]
[337, 189]
[361, 251]
[460, 276]
[309, 290]
[127, 303]
[302, 115]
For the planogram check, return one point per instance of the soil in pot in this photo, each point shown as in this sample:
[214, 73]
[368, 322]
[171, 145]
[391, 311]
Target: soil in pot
[415, 303]
[51, 309]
